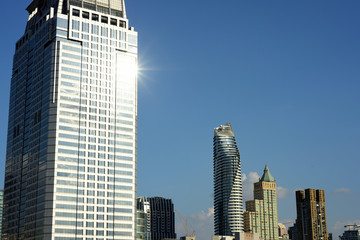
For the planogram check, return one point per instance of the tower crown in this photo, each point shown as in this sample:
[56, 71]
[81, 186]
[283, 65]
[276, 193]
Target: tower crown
[266, 177]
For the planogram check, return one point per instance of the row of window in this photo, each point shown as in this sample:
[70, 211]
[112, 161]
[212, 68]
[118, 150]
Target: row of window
[93, 162]
[97, 18]
[92, 146]
[88, 192]
[91, 232]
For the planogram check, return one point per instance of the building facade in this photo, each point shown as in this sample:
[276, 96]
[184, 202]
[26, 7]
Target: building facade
[283, 232]
[293, 232]
[159, 217]
[1, 208]
[71, 145]
[140, 225]
[311, 215]
[352, 232]
[261, 213]
[228, 203]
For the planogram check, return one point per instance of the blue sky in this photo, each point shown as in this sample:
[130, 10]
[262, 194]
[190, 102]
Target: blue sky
[284, 73]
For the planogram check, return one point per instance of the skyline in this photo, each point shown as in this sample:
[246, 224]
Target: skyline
[284, 62]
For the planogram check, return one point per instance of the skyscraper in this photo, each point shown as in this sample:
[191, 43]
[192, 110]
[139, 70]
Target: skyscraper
[1, 208]
[311, 215]
[261, 213]
[159, 217]
[352, 232]
[228, 204]
[71, 147]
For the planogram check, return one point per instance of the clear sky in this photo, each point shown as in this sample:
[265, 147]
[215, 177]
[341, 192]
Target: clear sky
[286, 74]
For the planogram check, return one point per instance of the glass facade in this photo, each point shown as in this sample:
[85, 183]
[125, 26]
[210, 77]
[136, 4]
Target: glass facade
[228, 203]
[71, 151]
[157, 219]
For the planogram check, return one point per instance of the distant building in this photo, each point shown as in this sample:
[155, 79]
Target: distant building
[293, 232]
[352, 232]
[238, 236]
[283, 234]
[261, 213]
[140, 225]
[188, 238]
[159, 218]
[311, 211]
[1, 208]
[228, 204]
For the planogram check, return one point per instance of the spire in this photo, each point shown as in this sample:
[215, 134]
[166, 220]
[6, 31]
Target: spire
[266, 177]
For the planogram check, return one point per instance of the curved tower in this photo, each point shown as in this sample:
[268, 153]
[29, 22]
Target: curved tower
[228, 202]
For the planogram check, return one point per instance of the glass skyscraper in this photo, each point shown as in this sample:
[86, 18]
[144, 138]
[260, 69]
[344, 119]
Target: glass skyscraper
[71, 148]
[228, 201]
[159, 218]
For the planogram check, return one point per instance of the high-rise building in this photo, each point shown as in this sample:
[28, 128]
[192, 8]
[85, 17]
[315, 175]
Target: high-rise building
[140, 225]
[311, 215]
[228, 203]
[1, 208]
[261, 213]
[159, 217]
[293, 232]
[352, 232]
[71, 145]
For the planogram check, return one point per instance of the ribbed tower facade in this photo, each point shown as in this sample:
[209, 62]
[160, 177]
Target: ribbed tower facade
[228, 201]
[311, 214]
[71, 146]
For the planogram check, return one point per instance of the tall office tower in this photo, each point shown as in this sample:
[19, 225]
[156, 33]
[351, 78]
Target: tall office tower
[261, 213]
[228, 204]
[159, 217]
[311, 215]
[71, 148]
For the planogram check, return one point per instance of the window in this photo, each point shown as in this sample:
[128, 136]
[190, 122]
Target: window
[101, 193]
[123, 24]
[75, 25]
[89, 224]
[113, 21]
[85, 15]
[89, 209]
[104, 31]
[85, 27]
[104, 19]
[76, 12]
[94, 29]
[95, 17]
